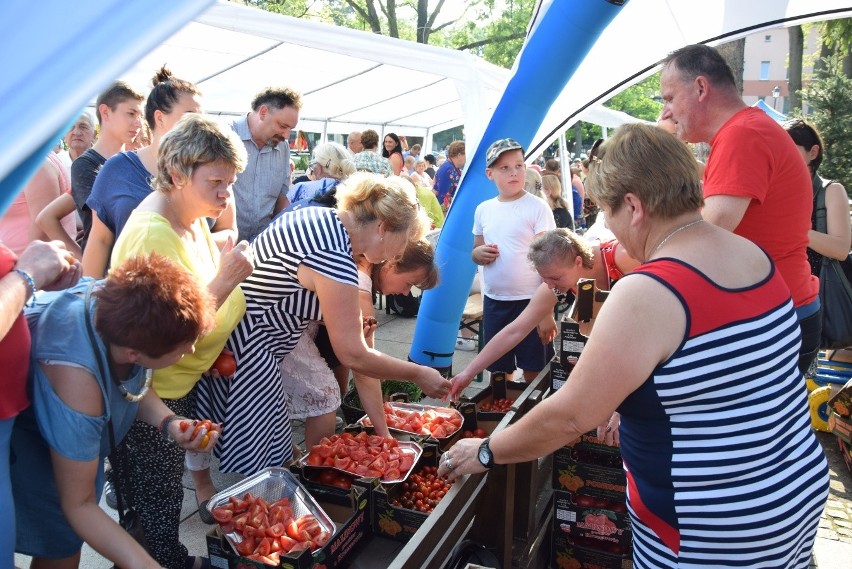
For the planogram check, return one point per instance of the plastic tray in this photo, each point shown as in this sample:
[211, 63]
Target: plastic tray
[405, 447]
[273, 484]
[445, 411]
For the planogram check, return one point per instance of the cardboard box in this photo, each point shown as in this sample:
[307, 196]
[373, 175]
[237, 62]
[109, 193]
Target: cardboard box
[568, 555]
[841, 402]
[840, 426]
[394, 522]
[590, 448]
[603, 528]
[571, 342]
[350, 511]
[559, 373]
[846, 452]
[500, 389]
[588, 479]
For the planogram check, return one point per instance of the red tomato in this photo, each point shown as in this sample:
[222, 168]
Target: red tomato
[225, 364]
[222, 514]
[480, 433]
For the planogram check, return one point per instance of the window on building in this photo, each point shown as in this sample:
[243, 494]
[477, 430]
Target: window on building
[764, 70]
[767, 38]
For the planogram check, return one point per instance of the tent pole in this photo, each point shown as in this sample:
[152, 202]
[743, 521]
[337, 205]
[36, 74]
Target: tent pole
[324, 138]
[565, 165]
[427, 142]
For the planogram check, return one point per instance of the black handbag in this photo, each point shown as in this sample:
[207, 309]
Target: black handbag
[835, 291]
[835, 296]
[128, 518]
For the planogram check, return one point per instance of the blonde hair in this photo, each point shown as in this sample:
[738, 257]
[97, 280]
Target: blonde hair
[193, 142]
[552, 192]
[559, 245]
[392, 201]
[532, 181]
[335, 160]
[669, 189]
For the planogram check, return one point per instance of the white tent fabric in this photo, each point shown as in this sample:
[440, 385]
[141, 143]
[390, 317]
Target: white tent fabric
[645, 31]
[349, 79]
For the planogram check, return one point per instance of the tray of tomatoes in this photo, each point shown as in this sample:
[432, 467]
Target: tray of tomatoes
[361, 454]
[423, 490]
[410, 418]
[270, 514]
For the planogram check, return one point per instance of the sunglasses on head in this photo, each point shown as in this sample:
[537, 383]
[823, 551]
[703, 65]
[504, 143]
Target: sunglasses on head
[593, 153]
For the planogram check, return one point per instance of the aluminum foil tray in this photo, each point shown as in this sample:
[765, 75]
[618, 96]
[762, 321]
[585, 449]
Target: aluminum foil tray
[405, 447]
[273, 484]
[445, 411]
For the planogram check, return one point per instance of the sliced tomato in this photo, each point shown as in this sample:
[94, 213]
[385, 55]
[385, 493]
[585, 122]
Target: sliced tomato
[286, 543]
[222, 514]
[276, 530]
[323, 451]
[264, 547]
[246, 546]
[295, 532]
[238, 505]
[375, 440]
[378, 464]
[314, 459]
[406, 461]
[344, 463]
[392, 474]
[240, 521]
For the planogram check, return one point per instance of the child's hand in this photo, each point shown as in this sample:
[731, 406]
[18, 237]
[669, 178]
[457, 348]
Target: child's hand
[485, 254]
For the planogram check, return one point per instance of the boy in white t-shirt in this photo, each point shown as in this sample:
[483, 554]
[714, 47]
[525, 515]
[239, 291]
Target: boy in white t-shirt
[503, 228]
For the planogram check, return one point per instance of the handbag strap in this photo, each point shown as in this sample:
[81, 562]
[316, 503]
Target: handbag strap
[111, 430]
[820, 221]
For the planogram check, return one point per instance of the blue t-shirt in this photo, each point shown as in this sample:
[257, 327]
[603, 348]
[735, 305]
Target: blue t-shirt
[121, 185]
[310, 189]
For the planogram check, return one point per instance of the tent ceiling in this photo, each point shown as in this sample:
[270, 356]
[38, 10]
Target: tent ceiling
[645, 31]
[349, 79]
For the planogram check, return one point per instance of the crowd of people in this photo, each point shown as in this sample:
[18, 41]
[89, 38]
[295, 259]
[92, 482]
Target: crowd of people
[202, 242]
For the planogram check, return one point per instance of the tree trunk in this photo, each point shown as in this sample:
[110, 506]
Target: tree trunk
[422, 21]
[734, 53]
[794, 83]
[393, 27]
[825, 52]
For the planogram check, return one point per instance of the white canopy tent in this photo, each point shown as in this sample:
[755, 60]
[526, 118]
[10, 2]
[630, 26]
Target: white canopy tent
[349, 79]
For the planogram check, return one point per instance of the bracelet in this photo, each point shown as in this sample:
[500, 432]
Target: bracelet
[28, 279]
[164, 425]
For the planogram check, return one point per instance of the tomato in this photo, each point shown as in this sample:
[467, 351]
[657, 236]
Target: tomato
[326, 476]
[276, 530]
[264, 547]
[222, 514]
[314, 460]
[342, 482]
[225, 364]
[246, 546]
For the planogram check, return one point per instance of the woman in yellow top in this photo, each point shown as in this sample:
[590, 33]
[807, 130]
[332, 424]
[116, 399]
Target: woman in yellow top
[197, 165]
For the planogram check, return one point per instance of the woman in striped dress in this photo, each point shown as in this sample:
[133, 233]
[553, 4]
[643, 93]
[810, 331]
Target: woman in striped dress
[698, 350]
[305, 270]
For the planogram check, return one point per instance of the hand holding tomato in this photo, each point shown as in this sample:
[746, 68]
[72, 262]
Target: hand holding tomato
[195, 435]
[458, 383]
[225, 365]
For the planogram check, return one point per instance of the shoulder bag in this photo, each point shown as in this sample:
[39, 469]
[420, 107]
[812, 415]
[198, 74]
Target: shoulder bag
[835, 291]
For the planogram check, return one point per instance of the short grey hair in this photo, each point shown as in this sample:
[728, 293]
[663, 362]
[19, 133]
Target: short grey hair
[195, 141]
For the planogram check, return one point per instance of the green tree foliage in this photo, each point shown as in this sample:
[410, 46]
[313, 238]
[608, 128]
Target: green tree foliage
[499, 40]
[294, 8]
[830, 98]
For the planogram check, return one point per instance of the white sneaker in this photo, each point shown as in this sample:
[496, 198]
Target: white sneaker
[466, 344]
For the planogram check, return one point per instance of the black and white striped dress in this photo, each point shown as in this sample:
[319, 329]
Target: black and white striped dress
[253, 406]
[722, 466]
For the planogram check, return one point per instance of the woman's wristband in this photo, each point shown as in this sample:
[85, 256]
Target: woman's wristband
[164, 425]
[28, 280]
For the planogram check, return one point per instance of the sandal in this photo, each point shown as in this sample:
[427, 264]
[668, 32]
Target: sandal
[205, 514]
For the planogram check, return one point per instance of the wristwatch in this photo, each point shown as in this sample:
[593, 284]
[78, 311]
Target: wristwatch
[485, 456]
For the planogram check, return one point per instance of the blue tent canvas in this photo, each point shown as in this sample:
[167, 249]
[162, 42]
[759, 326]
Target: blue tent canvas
[776, 116]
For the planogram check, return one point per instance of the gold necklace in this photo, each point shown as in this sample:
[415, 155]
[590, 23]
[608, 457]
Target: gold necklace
[672, 234]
